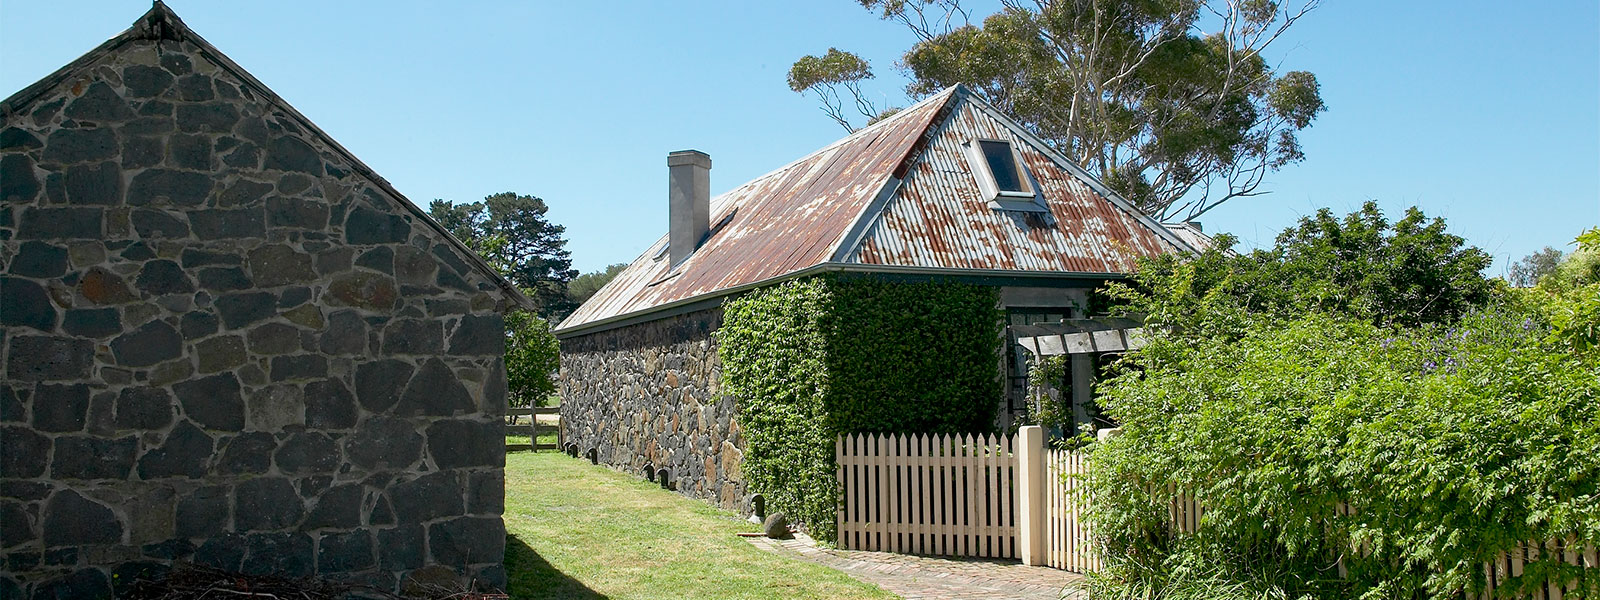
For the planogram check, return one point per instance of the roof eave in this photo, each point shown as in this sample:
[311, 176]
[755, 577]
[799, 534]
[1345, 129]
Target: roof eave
[716, 298]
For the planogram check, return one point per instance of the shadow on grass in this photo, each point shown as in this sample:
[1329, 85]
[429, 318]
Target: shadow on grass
[531, 576]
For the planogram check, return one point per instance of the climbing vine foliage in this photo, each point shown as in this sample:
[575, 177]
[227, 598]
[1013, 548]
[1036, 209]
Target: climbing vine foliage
[821, 356]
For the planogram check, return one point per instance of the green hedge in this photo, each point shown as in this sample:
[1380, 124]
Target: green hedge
[816, 357]
[1449, 443]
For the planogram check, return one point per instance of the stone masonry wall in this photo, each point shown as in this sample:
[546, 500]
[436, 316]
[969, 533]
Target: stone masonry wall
[222, 344]
[651, 394]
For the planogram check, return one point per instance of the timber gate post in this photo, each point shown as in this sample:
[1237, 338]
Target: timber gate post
[1031, 495]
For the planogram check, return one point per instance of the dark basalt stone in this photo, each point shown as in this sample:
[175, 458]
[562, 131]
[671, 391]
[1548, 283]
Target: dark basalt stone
[38, 259]
[239, 310]
[169, 187]
[266, 504]
[214, 401]
[152, 343]
[24, 303]
[149, 223]
[306, 453]
[248, 453]
[98, 183]
[379, 383]
[162, 277]
[203, 513]
[428, 497]
[24, 453]
[287, 153]
[456, 444]
[71, 223]
[145, 82]
[368, 226]
[434, 391]
[214, 117]
[148, 408]
[18, 183]
[86, 457]
[60, 408]
[384, 443]
[227, 224]
[68, 146]
[184, 453]
[45, 358]
[71, 520]
[330, 405]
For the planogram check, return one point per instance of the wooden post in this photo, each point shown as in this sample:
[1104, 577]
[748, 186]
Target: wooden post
[1031, 494]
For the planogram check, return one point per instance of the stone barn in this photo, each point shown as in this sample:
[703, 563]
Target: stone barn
[228, 342]
[947, 190]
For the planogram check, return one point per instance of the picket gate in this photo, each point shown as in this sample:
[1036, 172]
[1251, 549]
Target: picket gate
[947, 495]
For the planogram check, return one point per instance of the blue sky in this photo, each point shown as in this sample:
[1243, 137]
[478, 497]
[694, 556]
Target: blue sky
[1487, 114]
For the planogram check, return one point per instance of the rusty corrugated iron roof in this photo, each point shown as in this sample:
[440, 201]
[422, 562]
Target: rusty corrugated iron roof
[895, 196]
[940, 217]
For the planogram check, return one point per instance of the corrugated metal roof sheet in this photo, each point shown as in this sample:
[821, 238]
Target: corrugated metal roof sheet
[779, 223]
[830, 209]
[940, 217]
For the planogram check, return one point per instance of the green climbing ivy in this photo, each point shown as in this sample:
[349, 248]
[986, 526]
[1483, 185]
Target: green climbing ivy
[820, 356]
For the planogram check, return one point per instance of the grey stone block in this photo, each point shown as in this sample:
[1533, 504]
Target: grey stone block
[79, 145]
[305, 453]
[24, 303]
[346, 552]
[244, 308]
[151, 343]
[384, 443]
[39, 259]
[214, 402]
[24, 453]
[467, 540]
[60, 408]
[432, 496]
[266, 504]
[72, 520]
[288, 153]
[92, 457]
[285, 554]
[247, 453]
[434, 391]
[413, 336]
[459, 443]
[70, 223]
[147, 408]
[369, 226]
[94, 183]
[338, 508]
[161, 277]
[167, 187]
[479, 335]
[92, 322]
[185, 453]
[401, 548]
[330, 405]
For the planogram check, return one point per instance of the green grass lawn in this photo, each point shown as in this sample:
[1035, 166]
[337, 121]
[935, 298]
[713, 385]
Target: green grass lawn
[582, 531]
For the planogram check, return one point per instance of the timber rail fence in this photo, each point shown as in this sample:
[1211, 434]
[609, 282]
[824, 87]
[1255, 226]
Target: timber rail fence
[533, 428]
[1010, 497]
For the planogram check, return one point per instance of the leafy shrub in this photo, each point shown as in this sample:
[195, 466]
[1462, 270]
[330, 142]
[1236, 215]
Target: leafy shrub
[817, 357]
[532, 358]
[1448, 443]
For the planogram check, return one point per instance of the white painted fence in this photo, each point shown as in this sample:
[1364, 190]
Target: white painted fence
[1009, 497]
[928, 494]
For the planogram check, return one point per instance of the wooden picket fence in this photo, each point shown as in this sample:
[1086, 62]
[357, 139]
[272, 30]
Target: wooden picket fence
[1008, 497]
[1067, 543]
[928, 494]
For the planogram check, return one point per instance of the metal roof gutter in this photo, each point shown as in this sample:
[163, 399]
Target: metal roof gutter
[714, 299]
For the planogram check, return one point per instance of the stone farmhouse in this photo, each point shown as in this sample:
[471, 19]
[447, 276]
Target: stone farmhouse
[227, 341]
[947, 190]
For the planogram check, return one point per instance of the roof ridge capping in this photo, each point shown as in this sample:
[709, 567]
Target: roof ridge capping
[161, 23]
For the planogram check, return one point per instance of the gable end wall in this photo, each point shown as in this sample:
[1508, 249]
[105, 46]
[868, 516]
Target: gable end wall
[224, 345]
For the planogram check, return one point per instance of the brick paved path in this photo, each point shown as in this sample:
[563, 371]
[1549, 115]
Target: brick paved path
[926, 577]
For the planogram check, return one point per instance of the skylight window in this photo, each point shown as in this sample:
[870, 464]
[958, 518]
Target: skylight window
[1001, 176]
[1003, 166]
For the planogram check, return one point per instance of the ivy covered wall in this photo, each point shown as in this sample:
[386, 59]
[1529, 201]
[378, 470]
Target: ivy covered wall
[816, 357]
